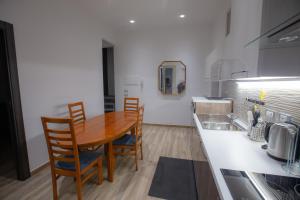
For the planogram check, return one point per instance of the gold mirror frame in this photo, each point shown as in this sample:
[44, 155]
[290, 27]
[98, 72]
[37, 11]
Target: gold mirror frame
[183, 83]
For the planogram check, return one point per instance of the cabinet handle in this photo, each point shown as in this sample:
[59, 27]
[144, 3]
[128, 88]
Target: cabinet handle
[240, 72]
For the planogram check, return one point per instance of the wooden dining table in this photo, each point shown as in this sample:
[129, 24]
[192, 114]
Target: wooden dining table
[104, 129]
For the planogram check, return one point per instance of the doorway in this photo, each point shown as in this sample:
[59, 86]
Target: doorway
[108, 76]
[13, 151]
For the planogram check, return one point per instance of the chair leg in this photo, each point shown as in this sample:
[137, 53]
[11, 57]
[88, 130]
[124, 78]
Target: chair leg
[100, 173]
[54, 187]
[78, 187]
[114, 159]
[136, 160]
[142, 151]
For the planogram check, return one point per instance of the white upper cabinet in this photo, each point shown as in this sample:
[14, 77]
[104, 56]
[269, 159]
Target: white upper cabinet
[264, 40]
[237, 61]
[252, 29]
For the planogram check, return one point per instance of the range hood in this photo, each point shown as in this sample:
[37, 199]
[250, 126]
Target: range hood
[279, 42]
[280, 22]
[285, 35]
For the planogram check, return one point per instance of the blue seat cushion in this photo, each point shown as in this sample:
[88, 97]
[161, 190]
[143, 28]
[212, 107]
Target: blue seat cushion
[85, 159]
[125, 140]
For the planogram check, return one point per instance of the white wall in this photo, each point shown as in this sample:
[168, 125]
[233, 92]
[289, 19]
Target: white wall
[59, 58]
[137, 57]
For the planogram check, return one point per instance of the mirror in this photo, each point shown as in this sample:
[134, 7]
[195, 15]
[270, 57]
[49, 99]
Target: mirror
[172, 77]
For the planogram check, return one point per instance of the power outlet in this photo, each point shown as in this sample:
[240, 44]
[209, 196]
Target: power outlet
[284, 117]
[269, 116]
[125, 93]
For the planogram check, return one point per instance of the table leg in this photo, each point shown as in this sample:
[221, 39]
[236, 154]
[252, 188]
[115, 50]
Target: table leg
[110, 161]
[133, 130]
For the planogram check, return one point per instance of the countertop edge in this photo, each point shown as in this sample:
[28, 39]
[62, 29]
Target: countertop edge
[199, 128]
[204, 100]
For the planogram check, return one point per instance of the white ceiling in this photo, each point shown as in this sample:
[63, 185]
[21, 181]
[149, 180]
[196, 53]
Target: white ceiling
[153, 13]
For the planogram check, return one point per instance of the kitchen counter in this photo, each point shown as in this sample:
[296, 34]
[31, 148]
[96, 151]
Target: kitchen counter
[233, 150]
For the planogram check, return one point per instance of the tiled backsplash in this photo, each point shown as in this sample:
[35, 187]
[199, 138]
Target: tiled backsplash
[281, 96]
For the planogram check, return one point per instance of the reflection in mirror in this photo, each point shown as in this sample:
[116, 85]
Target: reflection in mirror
[172, 77]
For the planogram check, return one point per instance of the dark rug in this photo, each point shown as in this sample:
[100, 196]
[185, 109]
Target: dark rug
[174, 180]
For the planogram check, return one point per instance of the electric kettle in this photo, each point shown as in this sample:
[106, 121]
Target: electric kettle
[280, 137]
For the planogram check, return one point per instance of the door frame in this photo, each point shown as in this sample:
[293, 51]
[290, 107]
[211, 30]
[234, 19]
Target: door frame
[15, 108]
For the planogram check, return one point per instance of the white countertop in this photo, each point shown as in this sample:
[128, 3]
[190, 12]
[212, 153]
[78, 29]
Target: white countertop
[233, 150]
[205, 100]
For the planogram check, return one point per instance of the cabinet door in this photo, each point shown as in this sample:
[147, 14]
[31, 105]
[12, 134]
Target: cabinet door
[232, 69]
[251, 54]
[279, 62]
[226, 70]
[197, 152]
[206, 187]
[252, 30]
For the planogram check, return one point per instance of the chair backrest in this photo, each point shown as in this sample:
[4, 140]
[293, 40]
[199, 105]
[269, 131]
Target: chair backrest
[140, 121]
[61, 141]
[131, 104]
[77, 112]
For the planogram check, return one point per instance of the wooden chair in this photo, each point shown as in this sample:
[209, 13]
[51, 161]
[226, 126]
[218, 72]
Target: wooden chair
[65, 159]
[131, 104]
[76, 111]
[131, 144]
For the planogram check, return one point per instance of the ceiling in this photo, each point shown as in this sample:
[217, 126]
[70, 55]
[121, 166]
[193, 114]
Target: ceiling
[153, 13]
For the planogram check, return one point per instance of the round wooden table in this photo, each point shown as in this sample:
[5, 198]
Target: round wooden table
[104, 129]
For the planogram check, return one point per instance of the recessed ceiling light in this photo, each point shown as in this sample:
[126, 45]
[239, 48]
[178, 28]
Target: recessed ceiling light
[182, 16]
[131, 21]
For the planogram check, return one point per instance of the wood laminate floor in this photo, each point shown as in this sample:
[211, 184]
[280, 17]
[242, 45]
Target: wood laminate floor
[128, 184]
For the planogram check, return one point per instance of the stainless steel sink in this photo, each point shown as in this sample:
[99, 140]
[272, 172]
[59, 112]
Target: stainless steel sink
[219, 122]
[223, 126]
